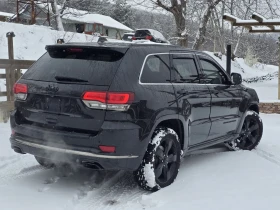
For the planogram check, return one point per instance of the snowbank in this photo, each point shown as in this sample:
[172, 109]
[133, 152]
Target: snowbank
[30, 41]
[266, 76]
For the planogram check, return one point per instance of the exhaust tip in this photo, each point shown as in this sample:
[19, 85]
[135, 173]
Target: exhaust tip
[92, 165]
[18, 150]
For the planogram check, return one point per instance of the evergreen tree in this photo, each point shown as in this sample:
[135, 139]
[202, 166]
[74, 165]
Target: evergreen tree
[122, 12]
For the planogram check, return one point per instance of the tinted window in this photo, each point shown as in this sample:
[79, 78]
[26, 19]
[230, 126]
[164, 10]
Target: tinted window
[156, 69]
[142, 33]
[127, 37]
[98, 67]
[212, 74]
[185, 69]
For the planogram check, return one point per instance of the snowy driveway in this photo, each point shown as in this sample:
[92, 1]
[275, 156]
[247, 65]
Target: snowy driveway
[224, 180]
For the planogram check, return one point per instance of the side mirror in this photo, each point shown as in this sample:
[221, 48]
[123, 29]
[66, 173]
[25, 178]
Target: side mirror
[236, 78]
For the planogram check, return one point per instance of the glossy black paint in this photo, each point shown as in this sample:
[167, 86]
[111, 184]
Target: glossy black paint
[202, 114]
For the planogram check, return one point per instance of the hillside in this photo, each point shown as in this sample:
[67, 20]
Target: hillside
[30, 41]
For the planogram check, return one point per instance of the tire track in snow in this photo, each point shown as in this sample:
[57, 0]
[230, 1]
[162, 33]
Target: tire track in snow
[122, 190]
[98, 181]
[268, 156]
[6, 161]
[18, 168]
[60, 172]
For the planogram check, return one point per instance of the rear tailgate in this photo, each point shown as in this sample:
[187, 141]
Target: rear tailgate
[56, 83]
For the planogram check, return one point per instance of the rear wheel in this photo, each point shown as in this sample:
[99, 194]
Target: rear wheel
[161, 162]
[251, 133]
[44, 162]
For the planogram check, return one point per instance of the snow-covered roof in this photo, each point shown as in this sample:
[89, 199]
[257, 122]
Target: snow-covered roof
[82, 16]
[252, 21]
[5, 14]
[95, 18]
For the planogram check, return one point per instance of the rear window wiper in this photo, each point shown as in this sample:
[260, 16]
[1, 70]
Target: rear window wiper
[68, 79]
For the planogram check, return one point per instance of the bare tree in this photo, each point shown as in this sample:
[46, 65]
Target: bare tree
[200, 37]
[178, 9]
[58, 12]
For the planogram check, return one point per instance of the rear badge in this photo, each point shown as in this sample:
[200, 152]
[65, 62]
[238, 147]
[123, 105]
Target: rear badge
[52, 89]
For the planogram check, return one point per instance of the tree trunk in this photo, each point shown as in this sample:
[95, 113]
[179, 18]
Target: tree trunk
[181, 29]
[200, 36]
[59, 25]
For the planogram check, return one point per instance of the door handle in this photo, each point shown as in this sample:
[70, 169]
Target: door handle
[182, 92]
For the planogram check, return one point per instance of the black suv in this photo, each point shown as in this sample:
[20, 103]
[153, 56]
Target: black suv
[130, 107]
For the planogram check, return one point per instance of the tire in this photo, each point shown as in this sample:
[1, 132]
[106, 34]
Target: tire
[44, 162]
[251, 133]
[161, 162]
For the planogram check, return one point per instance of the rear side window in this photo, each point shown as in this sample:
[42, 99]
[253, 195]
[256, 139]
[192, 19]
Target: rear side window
[142, 33]
[93, 66]
[185, 69]
[156, 69]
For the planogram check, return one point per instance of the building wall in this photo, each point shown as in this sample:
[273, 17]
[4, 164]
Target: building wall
[112, 33]
[270, 107]
[69, 27]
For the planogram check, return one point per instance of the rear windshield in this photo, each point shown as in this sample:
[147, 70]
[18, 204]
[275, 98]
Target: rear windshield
[142, 33]
[96, 67]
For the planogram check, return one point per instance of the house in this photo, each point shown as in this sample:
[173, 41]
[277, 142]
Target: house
[88, 23]
[75, 21]
[4, 16]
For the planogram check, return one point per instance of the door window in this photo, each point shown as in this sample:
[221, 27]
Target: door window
[156, 69]
[212, 73]
[185, 70]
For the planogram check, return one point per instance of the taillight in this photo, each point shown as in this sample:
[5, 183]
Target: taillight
[118, 101]
[149, 37]
[133, 38]
[20, 91]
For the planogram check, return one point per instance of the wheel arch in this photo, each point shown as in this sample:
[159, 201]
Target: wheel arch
[254, 107]
[251, 107]
[174, 123]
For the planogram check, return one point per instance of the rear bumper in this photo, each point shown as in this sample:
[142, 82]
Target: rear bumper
[62, 146]
[74, 155]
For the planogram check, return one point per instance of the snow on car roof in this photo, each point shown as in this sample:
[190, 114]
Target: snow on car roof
[155, 33]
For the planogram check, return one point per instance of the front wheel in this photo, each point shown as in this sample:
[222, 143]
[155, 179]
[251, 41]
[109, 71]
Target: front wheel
[250, 135]
[161, 162]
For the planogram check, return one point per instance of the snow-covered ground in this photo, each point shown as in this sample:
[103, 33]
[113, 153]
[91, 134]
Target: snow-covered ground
[267, 89]
[221, 180]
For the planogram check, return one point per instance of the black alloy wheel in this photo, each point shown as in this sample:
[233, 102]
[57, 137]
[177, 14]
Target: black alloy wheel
[250, 135]
[165, 161]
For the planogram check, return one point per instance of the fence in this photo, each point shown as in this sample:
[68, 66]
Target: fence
[12, 74]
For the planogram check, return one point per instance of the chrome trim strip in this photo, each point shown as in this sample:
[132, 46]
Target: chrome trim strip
[207, 56]
[73, 152]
